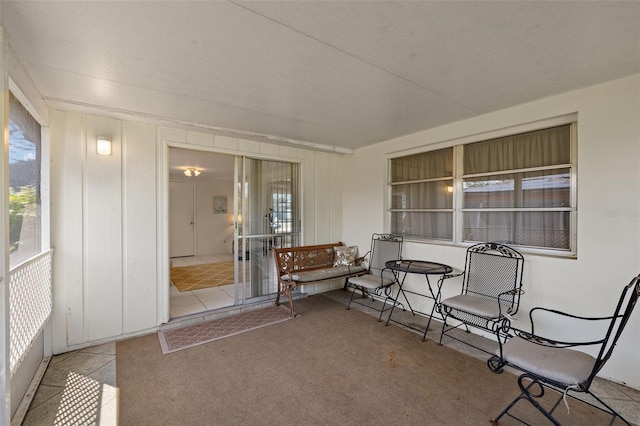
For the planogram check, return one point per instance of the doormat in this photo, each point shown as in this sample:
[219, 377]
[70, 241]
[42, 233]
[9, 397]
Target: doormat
[187, 337]
[197, 277]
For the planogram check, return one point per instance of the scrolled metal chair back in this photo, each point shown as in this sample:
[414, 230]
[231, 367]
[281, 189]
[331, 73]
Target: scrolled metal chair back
[384, 247]
[492, 269]
[624, 309]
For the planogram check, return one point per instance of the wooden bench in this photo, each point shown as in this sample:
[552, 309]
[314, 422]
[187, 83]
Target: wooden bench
[309, 265]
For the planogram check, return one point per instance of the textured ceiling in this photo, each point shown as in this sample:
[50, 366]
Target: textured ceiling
[342, 74]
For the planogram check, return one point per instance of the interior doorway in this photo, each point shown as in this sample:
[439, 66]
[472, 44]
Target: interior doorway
[241, 209]
[201, 231]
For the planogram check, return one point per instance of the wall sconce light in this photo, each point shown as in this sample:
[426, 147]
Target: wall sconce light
[450, 189]
[103, 145]
[190, 171]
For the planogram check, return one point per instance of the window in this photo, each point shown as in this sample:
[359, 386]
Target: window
[515, 189]
[422, 195]
[25, 231]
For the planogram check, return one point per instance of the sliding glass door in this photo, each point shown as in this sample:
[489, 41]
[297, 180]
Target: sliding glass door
[267, 215]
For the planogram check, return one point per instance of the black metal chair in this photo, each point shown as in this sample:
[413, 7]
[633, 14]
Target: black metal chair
[491, 289]
[553, 364]
[379, 279]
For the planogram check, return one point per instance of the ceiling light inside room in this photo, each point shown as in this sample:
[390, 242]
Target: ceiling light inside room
[190, 171]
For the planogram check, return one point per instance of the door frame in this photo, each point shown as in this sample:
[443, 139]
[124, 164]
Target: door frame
[162, 212]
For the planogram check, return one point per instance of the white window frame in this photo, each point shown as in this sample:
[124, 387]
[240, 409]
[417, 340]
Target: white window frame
[45, 167]
[458, 178]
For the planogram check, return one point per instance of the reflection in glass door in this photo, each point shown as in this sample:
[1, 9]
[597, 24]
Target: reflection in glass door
[267, 215]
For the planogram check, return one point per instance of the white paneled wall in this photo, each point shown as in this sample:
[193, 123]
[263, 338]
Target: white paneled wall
[102, 200]
[67, 212]
[139, 226]
[109, 219]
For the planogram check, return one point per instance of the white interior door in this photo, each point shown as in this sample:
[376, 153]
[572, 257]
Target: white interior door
[181, 218]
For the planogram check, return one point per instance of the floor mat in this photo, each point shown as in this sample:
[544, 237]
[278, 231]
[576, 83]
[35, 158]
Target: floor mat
[194, 335]
[197, 277]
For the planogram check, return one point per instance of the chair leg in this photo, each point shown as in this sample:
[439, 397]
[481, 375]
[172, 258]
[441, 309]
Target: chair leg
[278, 296]
[353, 293]
[288, 294]
[530, 396]
[496, 364]
[384, 304]
[609, 410]
[351, 299]
[496, 420]
[444, 325]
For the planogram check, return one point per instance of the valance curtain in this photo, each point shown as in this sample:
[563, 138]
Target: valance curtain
[541, 148]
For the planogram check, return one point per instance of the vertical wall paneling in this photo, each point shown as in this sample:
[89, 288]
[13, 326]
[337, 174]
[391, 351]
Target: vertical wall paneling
[162, 226]
[139, 226]
[270, 150]
[289, 152]
[336, 176]
[110, 220]
[323, 198]
[225, 142]
[103, 232]
[307, 171]
[201, 139]
[170, 134]
[247, 146]
[67, 211]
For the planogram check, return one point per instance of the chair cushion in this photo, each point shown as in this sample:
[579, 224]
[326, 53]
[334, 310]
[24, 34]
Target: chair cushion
[562, 365]
[324, 274]
[479, 306]
[371, 281]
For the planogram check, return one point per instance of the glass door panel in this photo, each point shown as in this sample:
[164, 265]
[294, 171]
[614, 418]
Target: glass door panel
[267, 215]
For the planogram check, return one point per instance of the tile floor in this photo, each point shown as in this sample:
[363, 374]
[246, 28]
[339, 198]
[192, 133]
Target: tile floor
[208, 299]
[79, 387]
[187, 303]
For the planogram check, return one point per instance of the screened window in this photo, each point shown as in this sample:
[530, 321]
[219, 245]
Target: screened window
[25, 230]
[422, 195]
[515, 189]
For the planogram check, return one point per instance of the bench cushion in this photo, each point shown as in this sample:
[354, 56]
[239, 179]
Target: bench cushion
[324, 274]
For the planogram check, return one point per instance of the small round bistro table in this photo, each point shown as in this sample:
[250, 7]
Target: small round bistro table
[402, 267]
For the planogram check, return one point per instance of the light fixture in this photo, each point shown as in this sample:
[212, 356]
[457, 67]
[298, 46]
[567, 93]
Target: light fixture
[103, 145]
[190, 171]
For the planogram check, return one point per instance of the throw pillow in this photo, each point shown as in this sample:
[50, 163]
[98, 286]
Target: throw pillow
[344, 255]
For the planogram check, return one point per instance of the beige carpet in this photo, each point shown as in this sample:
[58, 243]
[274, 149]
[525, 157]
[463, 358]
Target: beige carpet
[329, 366]
[197, 277]
[177, 339]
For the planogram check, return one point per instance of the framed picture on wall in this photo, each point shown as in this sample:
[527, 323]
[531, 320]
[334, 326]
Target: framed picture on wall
[219, 204]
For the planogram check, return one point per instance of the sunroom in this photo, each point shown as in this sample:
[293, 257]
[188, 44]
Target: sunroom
[284, 122]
